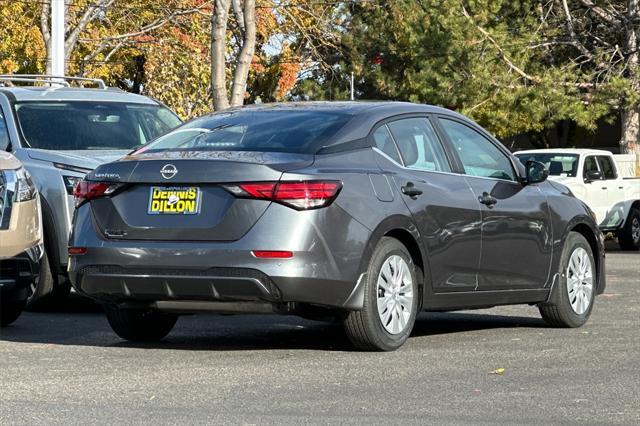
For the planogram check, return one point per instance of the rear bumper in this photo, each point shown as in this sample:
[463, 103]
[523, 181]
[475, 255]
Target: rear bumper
[113, 284]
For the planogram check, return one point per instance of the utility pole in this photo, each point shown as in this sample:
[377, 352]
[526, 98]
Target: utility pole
[352, 88]
[57, 37]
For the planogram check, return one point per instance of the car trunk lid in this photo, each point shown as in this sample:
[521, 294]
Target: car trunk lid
[178, 196]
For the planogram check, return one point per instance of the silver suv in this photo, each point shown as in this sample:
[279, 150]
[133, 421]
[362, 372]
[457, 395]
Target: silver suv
[60, 133]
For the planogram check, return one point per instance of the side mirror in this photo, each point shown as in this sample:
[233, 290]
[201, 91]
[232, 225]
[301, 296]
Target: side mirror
[592, 175]
[536, 172]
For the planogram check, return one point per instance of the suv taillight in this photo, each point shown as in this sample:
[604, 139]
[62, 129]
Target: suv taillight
[301, 195]
[86, 190]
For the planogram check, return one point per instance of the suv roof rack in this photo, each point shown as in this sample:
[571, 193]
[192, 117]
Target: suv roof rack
[52, 79]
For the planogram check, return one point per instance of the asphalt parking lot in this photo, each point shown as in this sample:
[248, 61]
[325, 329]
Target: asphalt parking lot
[66, 366]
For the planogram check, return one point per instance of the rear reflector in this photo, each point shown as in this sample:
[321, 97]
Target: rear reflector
[304, 195]
[272, 254]
[76, 251]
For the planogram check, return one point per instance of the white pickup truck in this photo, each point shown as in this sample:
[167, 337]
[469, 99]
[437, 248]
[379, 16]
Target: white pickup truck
[593, 176]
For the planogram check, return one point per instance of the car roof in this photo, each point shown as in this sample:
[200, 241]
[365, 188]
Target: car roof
[565, 151]
[61, 94]
[346, 107]
[366, 114]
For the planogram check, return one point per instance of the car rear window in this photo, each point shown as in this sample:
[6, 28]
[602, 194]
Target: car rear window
[92, 126]
[559, 164]
[302, 132]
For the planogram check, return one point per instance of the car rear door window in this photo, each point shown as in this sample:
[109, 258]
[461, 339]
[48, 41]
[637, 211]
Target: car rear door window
[479, 156]
[608, 169]
[419, 145]
[382, 140]
[590, 165]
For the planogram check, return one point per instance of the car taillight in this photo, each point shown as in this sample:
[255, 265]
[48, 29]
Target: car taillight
[304, 195]
[86, 190]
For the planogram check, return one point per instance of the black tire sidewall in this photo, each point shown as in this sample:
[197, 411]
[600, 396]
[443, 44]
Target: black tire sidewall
[144, 325]
[385, 249]
[45, 284]
[10, 311]
[629, 243]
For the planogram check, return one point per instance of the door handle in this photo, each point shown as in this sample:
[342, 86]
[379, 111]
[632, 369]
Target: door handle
[487, 200]
[410, 190]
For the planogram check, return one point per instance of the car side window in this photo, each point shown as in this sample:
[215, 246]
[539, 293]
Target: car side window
[608, 169]
[590, 165]
[419, 145]
[384, 143]
[4, 134]
[479, 156]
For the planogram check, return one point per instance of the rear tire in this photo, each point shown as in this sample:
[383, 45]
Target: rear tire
[629, 236]
[140, 325]
[572, 297]
[390, 300]
[10, 310]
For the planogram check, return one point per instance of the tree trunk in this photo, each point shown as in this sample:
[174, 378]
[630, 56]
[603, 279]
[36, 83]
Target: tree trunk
[246, 54]
[631, 113]
[46, 34]
[219, 21]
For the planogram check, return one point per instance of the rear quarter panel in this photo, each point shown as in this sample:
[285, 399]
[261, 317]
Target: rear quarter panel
[365, 200]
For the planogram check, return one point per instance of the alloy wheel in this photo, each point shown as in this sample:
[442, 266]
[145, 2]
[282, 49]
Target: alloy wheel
[580, 280]
[395, 294]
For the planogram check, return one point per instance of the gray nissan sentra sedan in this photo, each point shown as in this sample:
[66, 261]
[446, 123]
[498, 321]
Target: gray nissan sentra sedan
[369, 212]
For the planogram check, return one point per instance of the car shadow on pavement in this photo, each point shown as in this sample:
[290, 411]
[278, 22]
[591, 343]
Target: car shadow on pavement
[73, 304]
[80, 322]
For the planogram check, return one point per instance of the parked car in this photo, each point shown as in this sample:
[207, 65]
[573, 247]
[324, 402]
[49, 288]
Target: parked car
[20, 236]
[61, 133]
[369, 212]
[593, 176]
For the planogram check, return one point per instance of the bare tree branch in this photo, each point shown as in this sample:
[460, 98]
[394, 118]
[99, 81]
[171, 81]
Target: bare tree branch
[503, 54]
[246, 54]
[603, 14]
[238, 12]
[572, 32]
[88, 16]
[158, 23]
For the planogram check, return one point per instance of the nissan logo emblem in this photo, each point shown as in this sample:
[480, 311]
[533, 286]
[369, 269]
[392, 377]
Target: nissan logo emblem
[168, 171]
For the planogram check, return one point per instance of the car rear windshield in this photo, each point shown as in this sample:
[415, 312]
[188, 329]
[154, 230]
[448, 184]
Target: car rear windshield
[92, 126]
[302, 132]
[558, 164]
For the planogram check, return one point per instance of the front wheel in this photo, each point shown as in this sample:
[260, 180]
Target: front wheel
[140, 325]
[10, 310]
[391, 300]
[629, 236]
[572, 296]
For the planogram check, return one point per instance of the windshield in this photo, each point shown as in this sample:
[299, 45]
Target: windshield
[558, 164]
[301, 132]
[92, 126]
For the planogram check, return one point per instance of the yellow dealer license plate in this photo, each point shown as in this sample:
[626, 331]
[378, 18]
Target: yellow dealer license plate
[174, 200]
